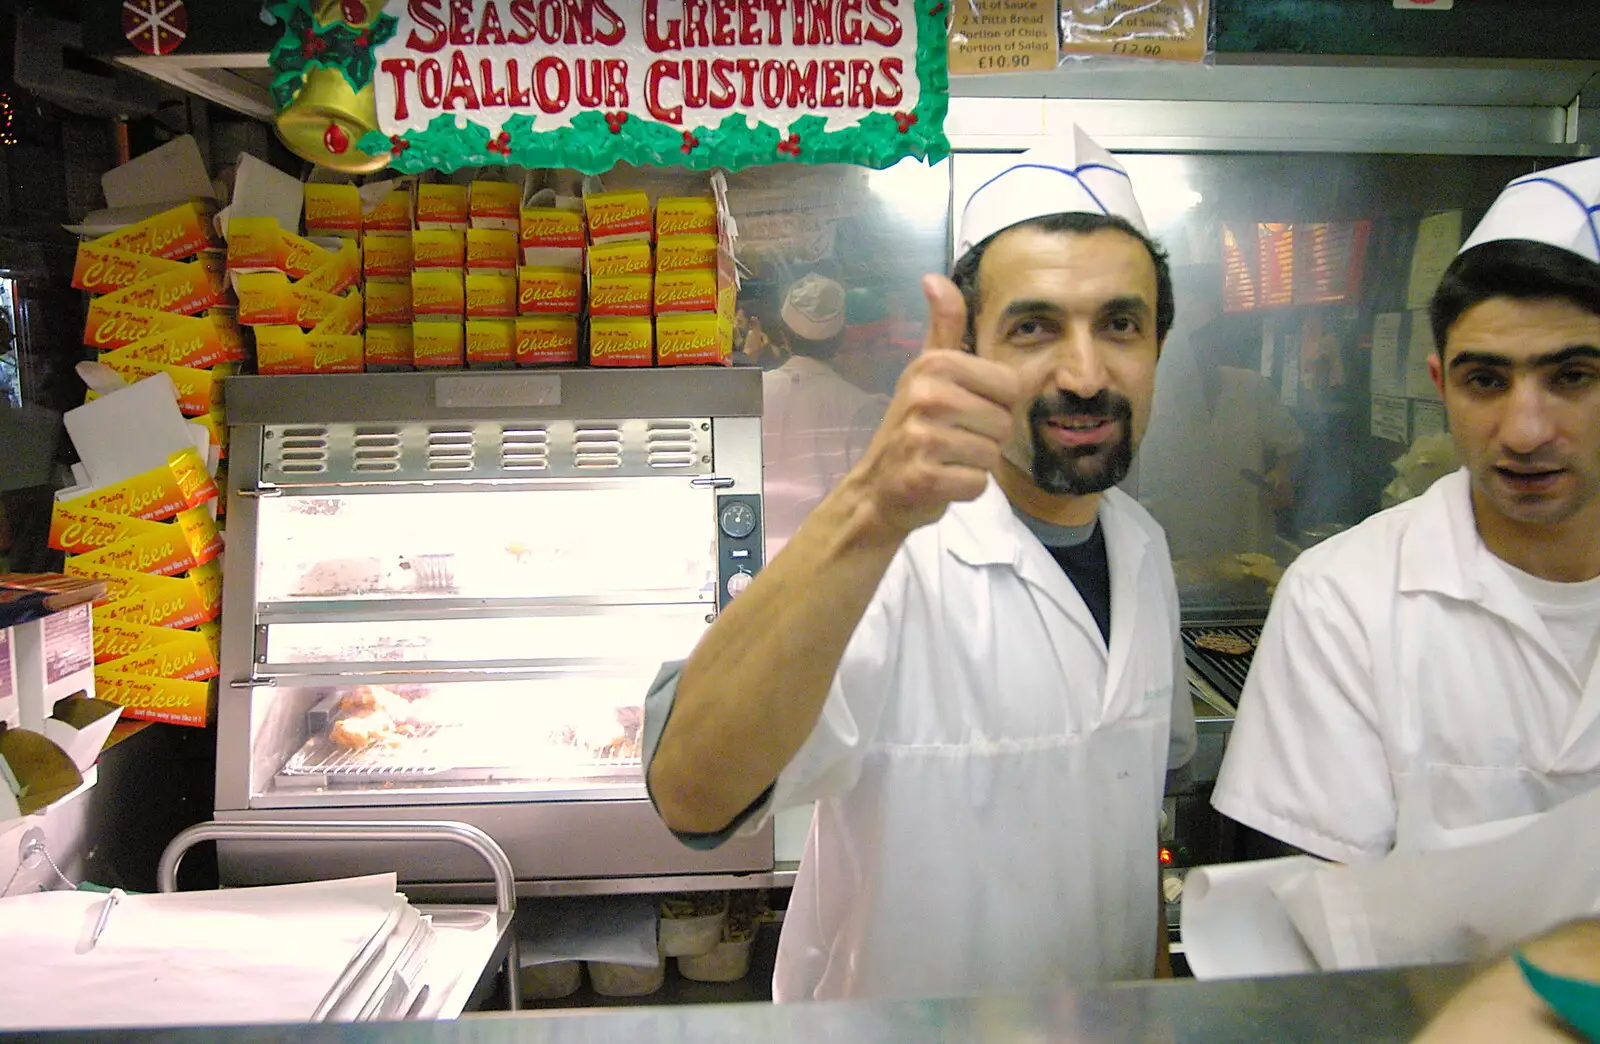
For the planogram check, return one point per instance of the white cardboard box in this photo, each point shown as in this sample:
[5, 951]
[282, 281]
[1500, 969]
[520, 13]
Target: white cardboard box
[54, 658]
[10, 705]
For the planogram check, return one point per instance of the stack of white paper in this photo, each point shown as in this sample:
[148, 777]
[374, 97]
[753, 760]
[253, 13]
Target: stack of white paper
[335, 950]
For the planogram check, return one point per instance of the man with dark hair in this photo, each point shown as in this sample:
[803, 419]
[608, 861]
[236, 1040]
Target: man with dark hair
[1427, 679]
[968, 654]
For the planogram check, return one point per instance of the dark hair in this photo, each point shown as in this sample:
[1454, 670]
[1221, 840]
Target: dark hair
[965, 272]
[1517, 268]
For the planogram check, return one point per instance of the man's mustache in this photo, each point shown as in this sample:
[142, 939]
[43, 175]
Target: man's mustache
[1104, 404]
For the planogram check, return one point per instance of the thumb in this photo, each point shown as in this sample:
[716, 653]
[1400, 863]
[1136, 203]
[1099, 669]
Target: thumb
[947, 315]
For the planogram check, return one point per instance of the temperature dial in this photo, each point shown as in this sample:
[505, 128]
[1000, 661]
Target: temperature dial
[737, 519]
[738, 582]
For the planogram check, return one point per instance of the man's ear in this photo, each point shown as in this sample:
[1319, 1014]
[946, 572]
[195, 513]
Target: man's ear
[1436, 371]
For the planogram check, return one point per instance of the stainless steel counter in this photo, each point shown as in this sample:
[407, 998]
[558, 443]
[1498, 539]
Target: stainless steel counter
[1366, 1007]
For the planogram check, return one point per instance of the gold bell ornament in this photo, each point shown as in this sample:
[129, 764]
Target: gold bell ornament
[327, 118]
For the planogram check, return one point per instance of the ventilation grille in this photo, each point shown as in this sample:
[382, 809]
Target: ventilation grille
[335, 454]
[597, 446]
[450, 449]
[671, 444]
[525, 449]
[303, 451]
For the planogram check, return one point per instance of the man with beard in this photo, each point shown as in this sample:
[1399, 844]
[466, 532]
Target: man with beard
[1427, 680]
[967, 654]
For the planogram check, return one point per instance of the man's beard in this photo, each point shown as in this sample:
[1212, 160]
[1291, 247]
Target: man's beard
[1079, 471]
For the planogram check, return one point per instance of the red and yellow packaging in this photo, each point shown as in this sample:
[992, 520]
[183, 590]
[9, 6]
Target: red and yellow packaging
[442, 207]
[388, 347]
[686, 253]
[686, 215]
[174, 234]
[491, 249]
[186, 291]
[439, 292]
[551, 227]
[690, 338]
[157, 494]
[264, 298]
[491, 343]
[690, 291]
[301, 257]
[620, 259]
[437, 346]
[333, 210]
[386, 256]
[612, 216]
[549, 340]
[255, 244]
[392, 214]
[110, 325]
[114, 639]
[389, 303]
[199, 391]
[289, 349]
[491, 295]
[199, 347]
[495, 204]
[340, 272]
[549, 291]
[164, 700]
[620, 342]
[190, 539]
[185, 659]
[104, 270]
[620, 295]
[438, 248]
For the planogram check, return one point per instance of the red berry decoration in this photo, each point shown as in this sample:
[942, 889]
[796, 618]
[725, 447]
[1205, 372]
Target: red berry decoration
[397, 145]
[615, 120]
[790, 146]
[936, 8]
[905, 120]
[363, 40]
[690, 142]
[501, 143]
[335, 140]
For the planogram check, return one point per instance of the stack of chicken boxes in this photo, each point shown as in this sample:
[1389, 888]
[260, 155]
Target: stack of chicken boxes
[300, 297]
[386, 272]
[438, 286]
[152, 539]
[160, 306]
[550, 282]
[494, 214]
[695, 283]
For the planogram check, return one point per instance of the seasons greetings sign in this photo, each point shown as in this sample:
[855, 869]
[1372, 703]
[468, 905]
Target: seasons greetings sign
[697, 83]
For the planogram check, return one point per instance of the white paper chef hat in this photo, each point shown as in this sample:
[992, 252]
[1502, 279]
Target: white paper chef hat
[814, 307]
[1559, 206]
[1070, 177]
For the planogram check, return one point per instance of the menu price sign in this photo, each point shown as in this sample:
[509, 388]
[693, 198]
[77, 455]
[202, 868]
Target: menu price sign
[1151, 30]
[1276, 243]
[1239, 253]
[1003, 36]
[1390, 418]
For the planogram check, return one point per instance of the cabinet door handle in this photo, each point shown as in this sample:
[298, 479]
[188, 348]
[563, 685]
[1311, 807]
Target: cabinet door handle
[711, 482]
[260, 492]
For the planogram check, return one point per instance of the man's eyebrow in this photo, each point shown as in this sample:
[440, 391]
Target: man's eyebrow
[1029, 306]
[1134, 303]
[1556, 358]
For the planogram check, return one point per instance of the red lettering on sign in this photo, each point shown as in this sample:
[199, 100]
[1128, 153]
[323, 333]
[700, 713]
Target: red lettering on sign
[397, 68]
[551, 101]
[695, 31]
[461, 23]
[489, 31]
[696, 84]
[425, 13]
[833, 83]
[885, 29]
[774, 9]
[616, 83]
[610, 36]
[527, 19]
[723, 92]
[748, 69]
[892, 69]
[518, 96]
[658, 71]
[590, 85]
[490, 95]
[772, 84]
[430, 82]
[654, 38]
[723, 13]
[802, 80]
[461, 89]
[860, 84]
[850, 22]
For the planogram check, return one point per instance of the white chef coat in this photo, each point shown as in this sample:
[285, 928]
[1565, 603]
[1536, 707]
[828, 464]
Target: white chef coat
[987, 777]
[814, 426]
[1406, 696]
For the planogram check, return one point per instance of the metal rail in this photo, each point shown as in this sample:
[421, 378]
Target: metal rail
[463, 834]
